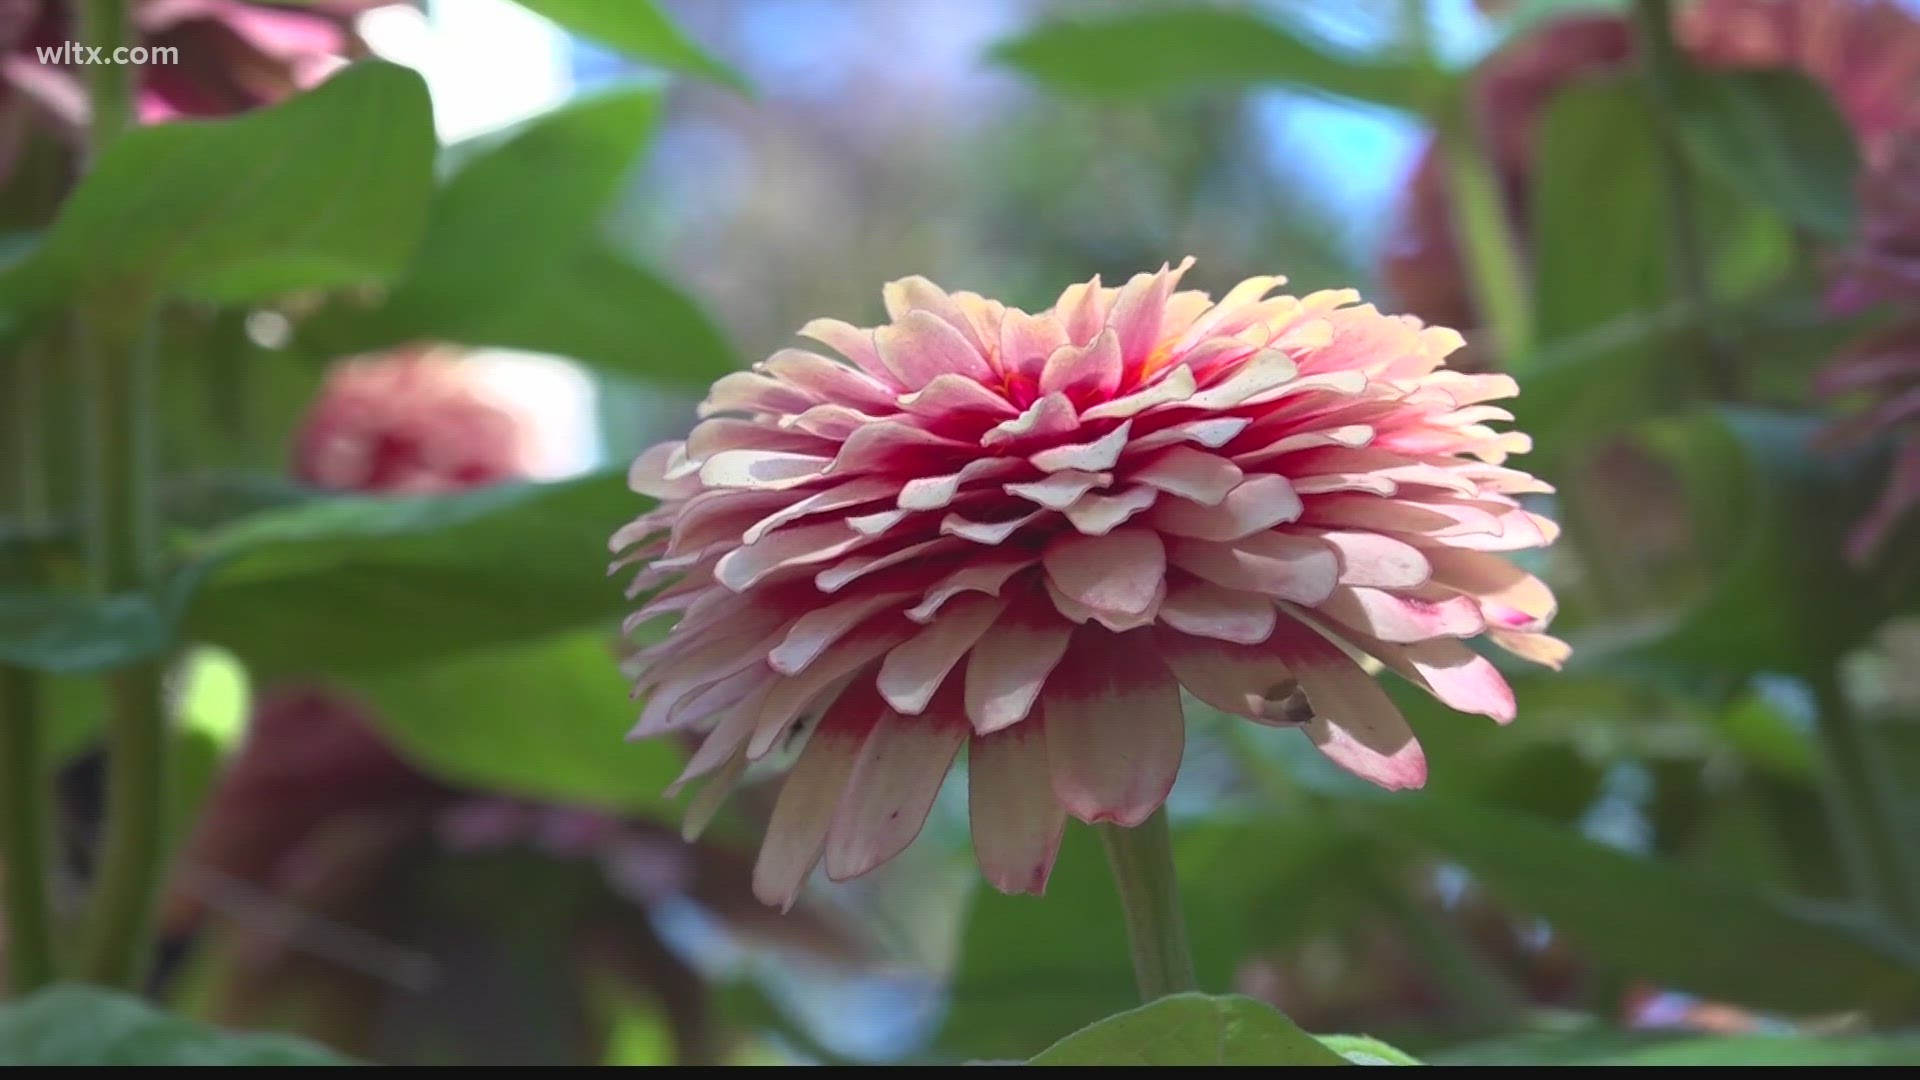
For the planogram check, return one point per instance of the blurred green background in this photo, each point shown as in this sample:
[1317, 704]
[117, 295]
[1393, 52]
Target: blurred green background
[407, 825]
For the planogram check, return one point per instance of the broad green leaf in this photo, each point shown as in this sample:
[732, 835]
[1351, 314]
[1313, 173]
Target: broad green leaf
[1647, 920]
[358, 583]
[511, 258]
[72, 1025]
[1785, 600]
[1156, 52]
[608, 311]
[519, 211]
[1361, 1050]
[351, 583]
[1596, 263]
[1775, 137]
[1192, 1029]
[544, 719]
[641, 30]
[70, 634]
[328, 189]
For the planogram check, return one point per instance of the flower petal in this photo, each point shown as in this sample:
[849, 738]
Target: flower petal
[920, 347]
[1118, 573]
[1007, 668]
[797, 828]
[914, 670]
[1355, 724]
[1016, 820]
[1258, 504]
[1115, 732]
[894, 782]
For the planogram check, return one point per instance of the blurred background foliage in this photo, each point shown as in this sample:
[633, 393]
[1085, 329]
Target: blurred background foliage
[412, 322]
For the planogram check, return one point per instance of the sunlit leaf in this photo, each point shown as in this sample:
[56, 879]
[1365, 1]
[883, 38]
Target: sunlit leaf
[613, 314]
[518, 211]
[1193, 1029]
[641, 30]
[544, 719]
[328, 189]
[1155, 52]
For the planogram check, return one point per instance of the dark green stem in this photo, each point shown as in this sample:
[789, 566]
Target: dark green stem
[133, 860]
[25, 833]
[115, 336]
[1142, 862]
[26, 802]
[1870, 820]
[1496, 271]
[1666, 73]
[124, 542]
[105, 24]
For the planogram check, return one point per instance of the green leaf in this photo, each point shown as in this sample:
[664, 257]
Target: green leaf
[68, 634]
[72, 1025]
[327, 189]
[1597, 261]
[519, 211]
[1650, 921]
[611, 313]
[1785, 599]
[1361, 1050]
[355, 583]
[1775, 137]
[360, 583]
[545, 719]
[511, 258]
[641, 30]
[1157, 52]
[1192, 1029]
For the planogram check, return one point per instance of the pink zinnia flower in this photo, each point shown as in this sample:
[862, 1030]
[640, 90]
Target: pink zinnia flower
[411, 422]
[1025, 533]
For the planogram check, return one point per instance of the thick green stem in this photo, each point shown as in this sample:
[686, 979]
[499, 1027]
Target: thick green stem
[1870, 820]
[1666, 72]
[115, 335]
[1143, 872]
[26, 800]
[105, 24]
[25, 833]
[124, 544]
[1496, 271]
[132, 862]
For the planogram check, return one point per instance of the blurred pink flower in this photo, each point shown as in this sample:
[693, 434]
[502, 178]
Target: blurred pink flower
[1025, 533]
[233, 55]
[410, 422]
[1865, 52]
